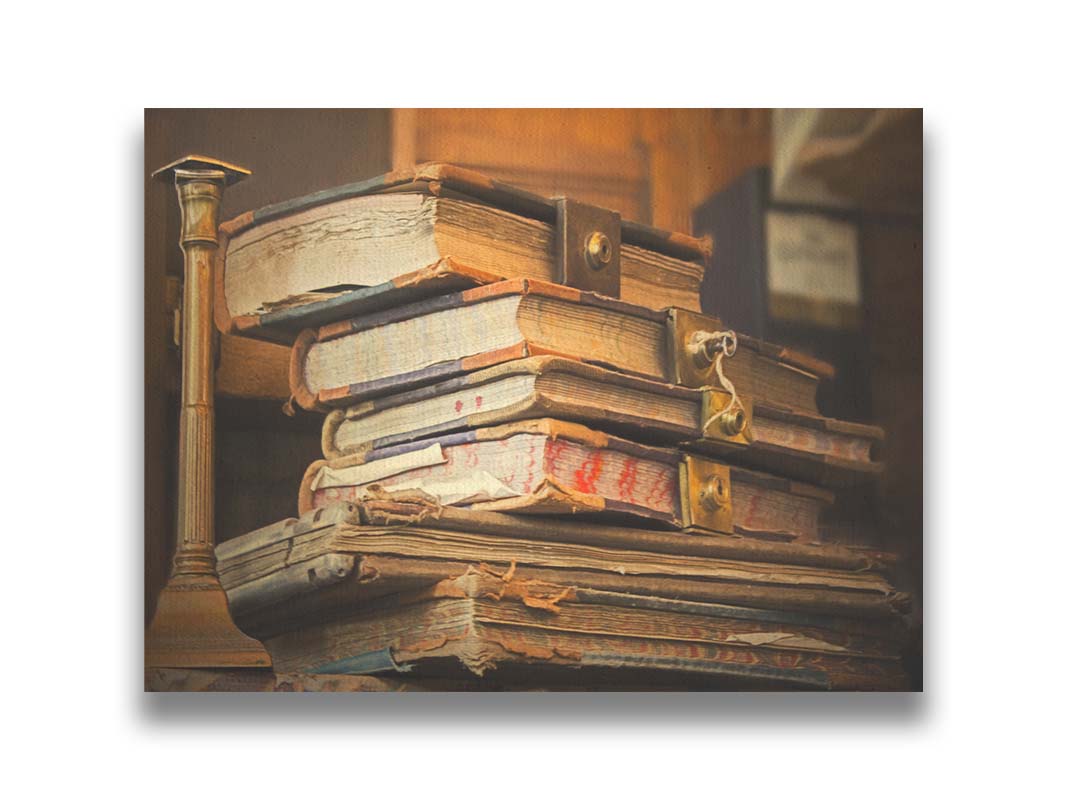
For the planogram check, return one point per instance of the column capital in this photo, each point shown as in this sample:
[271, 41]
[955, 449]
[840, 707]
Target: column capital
[186, 167]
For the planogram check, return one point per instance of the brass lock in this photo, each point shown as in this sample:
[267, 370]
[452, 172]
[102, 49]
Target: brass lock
[588, 247]
[702, 348]
[691, 348]
[730, 426]
[715, 493]
[733, 421]
[701, 351]
[597, 250]
[705, 494]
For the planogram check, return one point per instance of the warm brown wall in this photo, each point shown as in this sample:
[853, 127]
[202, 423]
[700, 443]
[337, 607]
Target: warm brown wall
[290, 153]
[651, 165]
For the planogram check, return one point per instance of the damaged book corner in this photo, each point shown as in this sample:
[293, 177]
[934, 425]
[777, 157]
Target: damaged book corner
[544, 464]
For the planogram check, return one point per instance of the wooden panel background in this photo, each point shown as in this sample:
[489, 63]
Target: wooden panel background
[651, 165]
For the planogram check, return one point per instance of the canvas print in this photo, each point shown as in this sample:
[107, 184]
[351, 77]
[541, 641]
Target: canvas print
[533, 399]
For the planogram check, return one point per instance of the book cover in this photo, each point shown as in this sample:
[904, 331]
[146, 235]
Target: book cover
[317, 251]
[484, 618]
[547, 466]
[442, 337]
[794, 445]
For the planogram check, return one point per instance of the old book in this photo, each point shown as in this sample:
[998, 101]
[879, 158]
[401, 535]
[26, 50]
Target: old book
[308, 586]
[317, 252]
[801, 446]
[348, 554]
[546, 466]
[442, 337]
[485, 618]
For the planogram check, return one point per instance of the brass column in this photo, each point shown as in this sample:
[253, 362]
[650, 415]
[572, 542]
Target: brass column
[192, 626]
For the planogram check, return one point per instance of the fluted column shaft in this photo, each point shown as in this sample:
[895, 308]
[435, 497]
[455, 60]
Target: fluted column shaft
[199, 193]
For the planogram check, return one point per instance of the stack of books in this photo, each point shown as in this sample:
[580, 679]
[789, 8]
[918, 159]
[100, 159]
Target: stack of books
[526, 482]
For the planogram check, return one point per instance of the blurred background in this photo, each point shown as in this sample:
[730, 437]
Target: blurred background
[817, 220]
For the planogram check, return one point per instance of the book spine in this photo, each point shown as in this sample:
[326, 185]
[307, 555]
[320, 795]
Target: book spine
[227, 230]
[298, 387]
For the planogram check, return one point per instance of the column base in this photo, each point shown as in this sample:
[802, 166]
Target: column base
[192, 627]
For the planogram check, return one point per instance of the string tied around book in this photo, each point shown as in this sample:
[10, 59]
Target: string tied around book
[723, 344]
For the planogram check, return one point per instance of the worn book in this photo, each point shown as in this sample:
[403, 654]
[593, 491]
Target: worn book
[800, 446]
[376, 243]
[416, 344]
[547, 466]
[397, 583]
[485, 619]
[281, 575]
